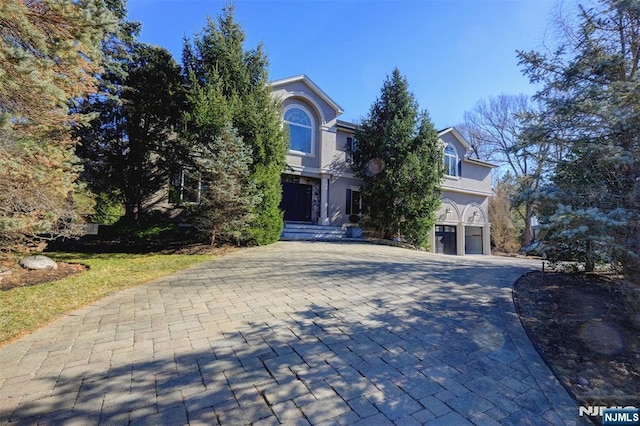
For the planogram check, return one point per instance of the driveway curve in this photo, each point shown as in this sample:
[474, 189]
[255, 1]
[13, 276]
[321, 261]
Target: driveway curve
[294, 333]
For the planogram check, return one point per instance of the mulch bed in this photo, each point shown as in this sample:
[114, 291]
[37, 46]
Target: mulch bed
[20, 277]
[579, 326]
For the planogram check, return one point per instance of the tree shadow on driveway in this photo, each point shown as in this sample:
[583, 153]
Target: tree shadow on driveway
[252, 339]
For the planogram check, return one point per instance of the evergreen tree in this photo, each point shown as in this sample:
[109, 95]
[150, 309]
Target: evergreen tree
[591, 98]
[152, 105]
[216, 58]
[49, 54]
[38, 190]
[130, 149]
[104, 139]
[228, 197]
[400, 159]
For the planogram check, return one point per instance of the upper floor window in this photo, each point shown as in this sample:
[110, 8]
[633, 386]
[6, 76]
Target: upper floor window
[300, 129]
[350, 147]
[352, 144]
[450, 161]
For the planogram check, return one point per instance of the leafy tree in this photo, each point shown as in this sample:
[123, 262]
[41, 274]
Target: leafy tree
[217, 58]
[108, 209]
[400, 159]
[49, 54]
[591, 98]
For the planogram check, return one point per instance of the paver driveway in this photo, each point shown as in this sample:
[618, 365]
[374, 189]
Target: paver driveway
[294, 333]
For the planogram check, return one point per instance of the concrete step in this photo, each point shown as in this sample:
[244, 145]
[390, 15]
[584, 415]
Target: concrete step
[308, 232]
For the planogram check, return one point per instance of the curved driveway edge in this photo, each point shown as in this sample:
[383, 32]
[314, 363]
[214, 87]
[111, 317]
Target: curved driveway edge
[294, 333]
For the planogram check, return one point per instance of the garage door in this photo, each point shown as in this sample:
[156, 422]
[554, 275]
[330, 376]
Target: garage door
[445, 239]
[473, 240]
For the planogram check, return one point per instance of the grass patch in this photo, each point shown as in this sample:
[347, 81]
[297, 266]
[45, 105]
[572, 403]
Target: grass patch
[25, 309]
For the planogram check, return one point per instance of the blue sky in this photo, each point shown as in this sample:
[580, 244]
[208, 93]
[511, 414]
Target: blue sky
[453, 52]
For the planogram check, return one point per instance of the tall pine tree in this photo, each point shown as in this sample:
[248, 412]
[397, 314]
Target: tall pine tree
[217, 58]
[400, 159]
[129, 149]
[49, 54]
[591, 107]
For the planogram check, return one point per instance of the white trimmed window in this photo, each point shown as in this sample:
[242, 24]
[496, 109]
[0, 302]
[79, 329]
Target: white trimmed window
[450, 161]
[186, 188]
[301, 134]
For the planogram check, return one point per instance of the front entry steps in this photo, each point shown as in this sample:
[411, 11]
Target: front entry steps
[307, 232]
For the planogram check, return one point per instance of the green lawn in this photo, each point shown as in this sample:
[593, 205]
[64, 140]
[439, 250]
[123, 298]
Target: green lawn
[25, 309]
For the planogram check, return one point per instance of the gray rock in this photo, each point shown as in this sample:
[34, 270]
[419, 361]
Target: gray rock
[38, 262]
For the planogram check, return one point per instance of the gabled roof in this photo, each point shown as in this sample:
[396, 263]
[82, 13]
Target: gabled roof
[311, 85]
[466, 146]
[456, 135]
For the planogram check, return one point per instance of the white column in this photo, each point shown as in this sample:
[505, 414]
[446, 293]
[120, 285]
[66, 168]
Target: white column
[486, 239]
[324, 199]
[432, 240]
[460, 243]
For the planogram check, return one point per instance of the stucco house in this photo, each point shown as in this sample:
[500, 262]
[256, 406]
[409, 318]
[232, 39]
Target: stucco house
[320, 189]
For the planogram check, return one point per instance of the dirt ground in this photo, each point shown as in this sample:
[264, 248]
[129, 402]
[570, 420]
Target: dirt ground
[579, 326]
[20, 277]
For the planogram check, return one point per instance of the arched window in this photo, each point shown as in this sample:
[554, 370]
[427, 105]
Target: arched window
[300, 129]
[450, 161]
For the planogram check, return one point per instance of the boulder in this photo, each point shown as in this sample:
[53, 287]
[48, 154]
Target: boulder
[38, 262]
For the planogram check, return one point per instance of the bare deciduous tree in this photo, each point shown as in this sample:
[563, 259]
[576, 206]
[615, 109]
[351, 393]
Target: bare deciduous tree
[496, 129]
[504, 228]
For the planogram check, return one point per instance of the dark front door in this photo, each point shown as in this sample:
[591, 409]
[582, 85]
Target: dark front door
[296, 202]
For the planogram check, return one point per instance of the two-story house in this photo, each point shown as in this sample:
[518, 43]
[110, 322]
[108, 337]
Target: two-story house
[320, 188]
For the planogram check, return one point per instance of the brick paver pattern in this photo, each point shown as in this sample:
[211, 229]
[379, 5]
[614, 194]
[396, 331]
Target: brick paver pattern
[294, 333]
